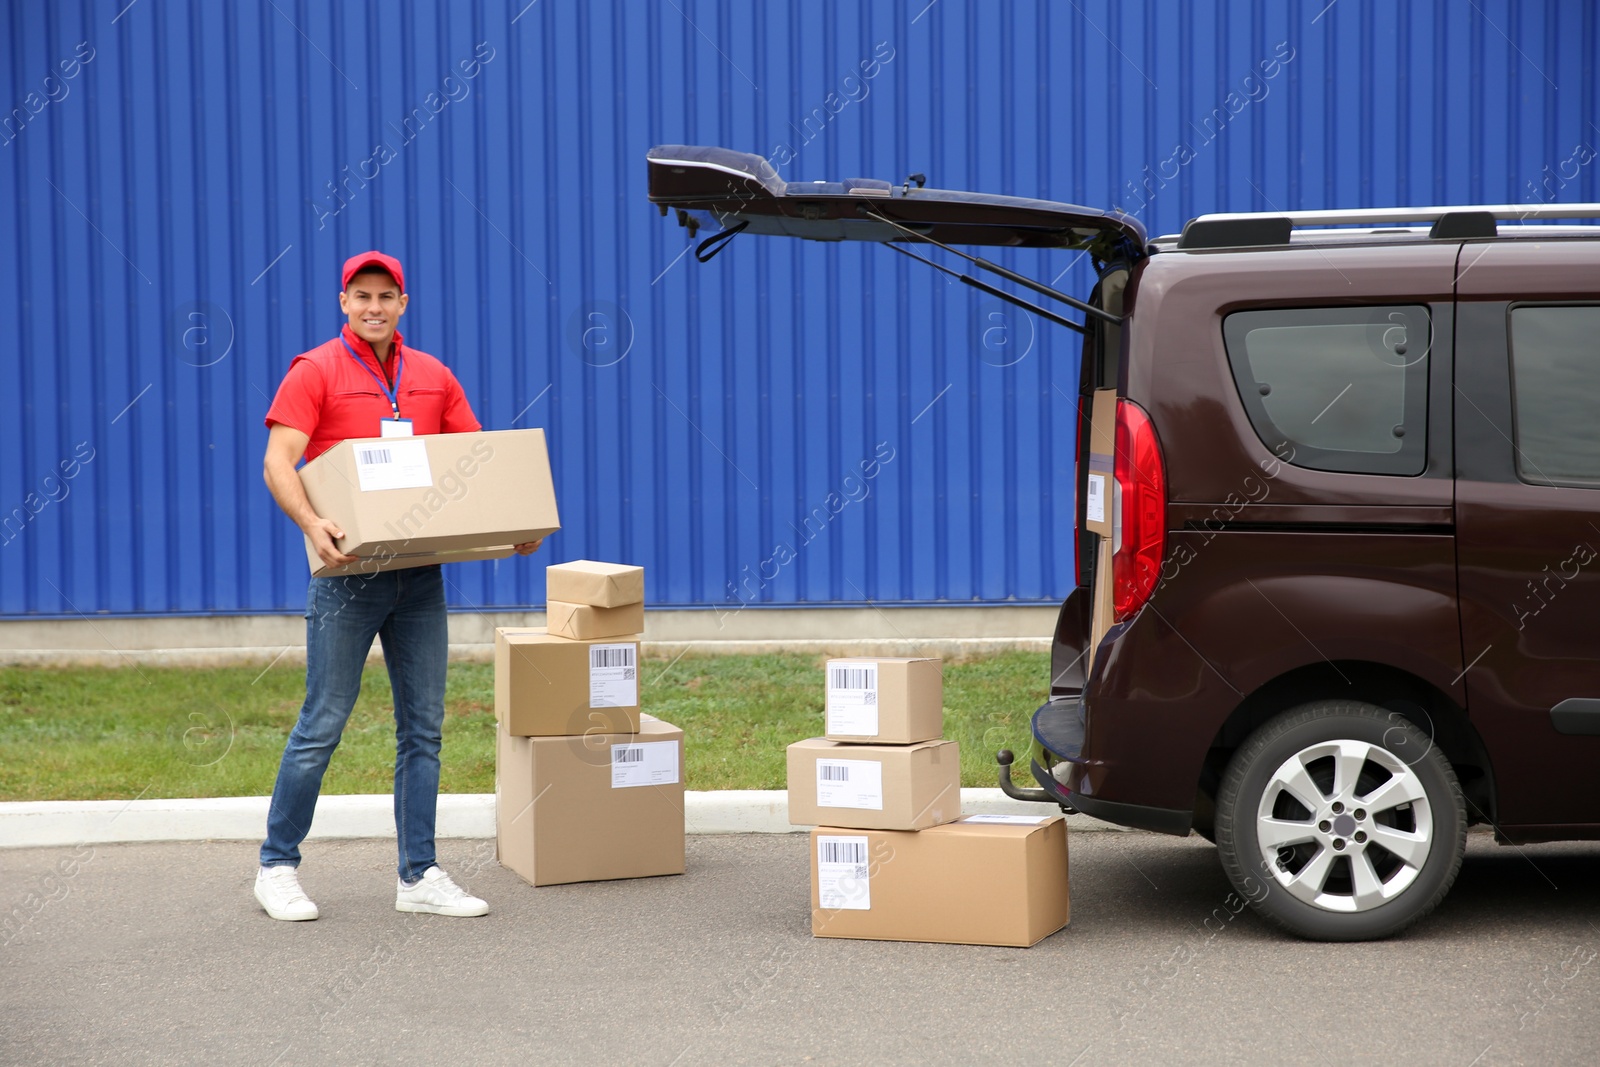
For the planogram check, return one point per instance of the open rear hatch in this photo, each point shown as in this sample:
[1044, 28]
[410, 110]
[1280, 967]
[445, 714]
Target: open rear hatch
[726, 193]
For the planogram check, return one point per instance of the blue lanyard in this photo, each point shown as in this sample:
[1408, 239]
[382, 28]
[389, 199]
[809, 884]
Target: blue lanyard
[392, 396]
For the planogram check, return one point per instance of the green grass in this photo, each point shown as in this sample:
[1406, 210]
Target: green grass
[116, 734]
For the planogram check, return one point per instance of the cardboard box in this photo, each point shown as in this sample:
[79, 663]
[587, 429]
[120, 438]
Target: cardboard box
[381, 562]
[590, 808]
[1099, 511]
[881, 787]
[985, 880]
[547, 686]
[1099, 497]
[1102, 611]
[599, 585]
[440, 498]
[897, 701]
[583, 622]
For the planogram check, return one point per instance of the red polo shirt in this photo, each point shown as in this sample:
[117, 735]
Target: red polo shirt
[329, 396]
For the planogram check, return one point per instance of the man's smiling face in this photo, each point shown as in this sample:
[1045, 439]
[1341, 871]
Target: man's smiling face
[373, 303]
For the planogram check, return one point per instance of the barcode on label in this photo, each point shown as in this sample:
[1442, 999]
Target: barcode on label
[849, 783]
[854, 852]
[644, 763]
[1095, 502]
[852, 678]
[844, 881]
[612, 657]
[375, 455]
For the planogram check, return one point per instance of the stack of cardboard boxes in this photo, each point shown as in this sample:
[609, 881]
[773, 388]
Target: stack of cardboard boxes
[587, 787]
[891, 857]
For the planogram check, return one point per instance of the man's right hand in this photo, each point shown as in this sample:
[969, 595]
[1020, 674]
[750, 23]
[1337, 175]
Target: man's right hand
[285, 445]
[323, 533]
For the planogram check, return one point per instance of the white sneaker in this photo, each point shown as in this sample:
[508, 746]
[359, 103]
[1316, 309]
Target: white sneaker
[278, 890]
[436, 894]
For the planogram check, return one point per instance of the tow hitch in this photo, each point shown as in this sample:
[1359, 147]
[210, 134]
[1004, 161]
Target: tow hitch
[1005, 758]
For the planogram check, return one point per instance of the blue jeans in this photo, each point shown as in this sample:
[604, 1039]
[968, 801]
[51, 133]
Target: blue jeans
[405, 609]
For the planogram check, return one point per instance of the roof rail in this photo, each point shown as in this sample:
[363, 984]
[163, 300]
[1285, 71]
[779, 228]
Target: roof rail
[1245, 228]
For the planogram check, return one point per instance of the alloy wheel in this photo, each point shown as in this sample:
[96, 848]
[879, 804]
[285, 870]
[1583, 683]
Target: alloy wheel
[1344, 825]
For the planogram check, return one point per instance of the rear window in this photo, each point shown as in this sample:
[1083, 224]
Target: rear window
[1555, 380]
[1336, 389]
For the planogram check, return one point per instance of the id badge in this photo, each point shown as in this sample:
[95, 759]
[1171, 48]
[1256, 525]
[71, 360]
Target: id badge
[395, 428]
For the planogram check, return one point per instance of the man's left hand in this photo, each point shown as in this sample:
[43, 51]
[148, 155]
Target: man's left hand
[529, 548]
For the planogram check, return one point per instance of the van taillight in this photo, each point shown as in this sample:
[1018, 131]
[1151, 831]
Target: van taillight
[1141, 515]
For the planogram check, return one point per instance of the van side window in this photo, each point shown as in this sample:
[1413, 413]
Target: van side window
[1555, 385]
[1336, 389]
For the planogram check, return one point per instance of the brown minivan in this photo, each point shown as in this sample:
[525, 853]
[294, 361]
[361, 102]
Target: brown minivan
[1337, 523]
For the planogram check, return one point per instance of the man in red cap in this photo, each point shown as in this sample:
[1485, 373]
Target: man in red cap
[363, 383]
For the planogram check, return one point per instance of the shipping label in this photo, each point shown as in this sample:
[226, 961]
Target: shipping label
[1094, 502]
[850, 783]
[613, 676]
[396, 463]
[844, 881]
[644, 763]
[853, 699]
[1009, 820]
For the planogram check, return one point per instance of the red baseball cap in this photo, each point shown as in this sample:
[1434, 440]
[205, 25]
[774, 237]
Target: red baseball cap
[355, 264]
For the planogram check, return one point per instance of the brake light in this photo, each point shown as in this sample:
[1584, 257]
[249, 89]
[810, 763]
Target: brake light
[1141, 516]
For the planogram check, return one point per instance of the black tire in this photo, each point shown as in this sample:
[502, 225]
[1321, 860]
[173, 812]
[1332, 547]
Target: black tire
[1329, 876]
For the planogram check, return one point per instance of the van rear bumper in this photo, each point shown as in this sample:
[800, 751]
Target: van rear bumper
[1058, 737]
[1157, 820]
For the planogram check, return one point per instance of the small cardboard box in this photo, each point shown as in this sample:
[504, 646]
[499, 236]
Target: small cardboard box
[440, 498]
[897, 701]
[599, 585]
[881, 787]
[984, 880]
[546, 686]
[582, 622]
[592, 807]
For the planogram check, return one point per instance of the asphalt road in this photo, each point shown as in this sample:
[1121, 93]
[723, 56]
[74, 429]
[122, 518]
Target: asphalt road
[159, 954]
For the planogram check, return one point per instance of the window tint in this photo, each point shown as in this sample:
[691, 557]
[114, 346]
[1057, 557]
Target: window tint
[1555, 380]
[1339, 389]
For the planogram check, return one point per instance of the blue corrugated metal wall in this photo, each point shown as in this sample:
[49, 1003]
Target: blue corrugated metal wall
[179, 182]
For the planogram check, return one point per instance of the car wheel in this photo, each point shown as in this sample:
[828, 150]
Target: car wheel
[1340, 821]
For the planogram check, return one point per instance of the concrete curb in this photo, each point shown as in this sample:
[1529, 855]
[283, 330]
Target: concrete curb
[295, 655]
[950, 630]
[63, 823]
